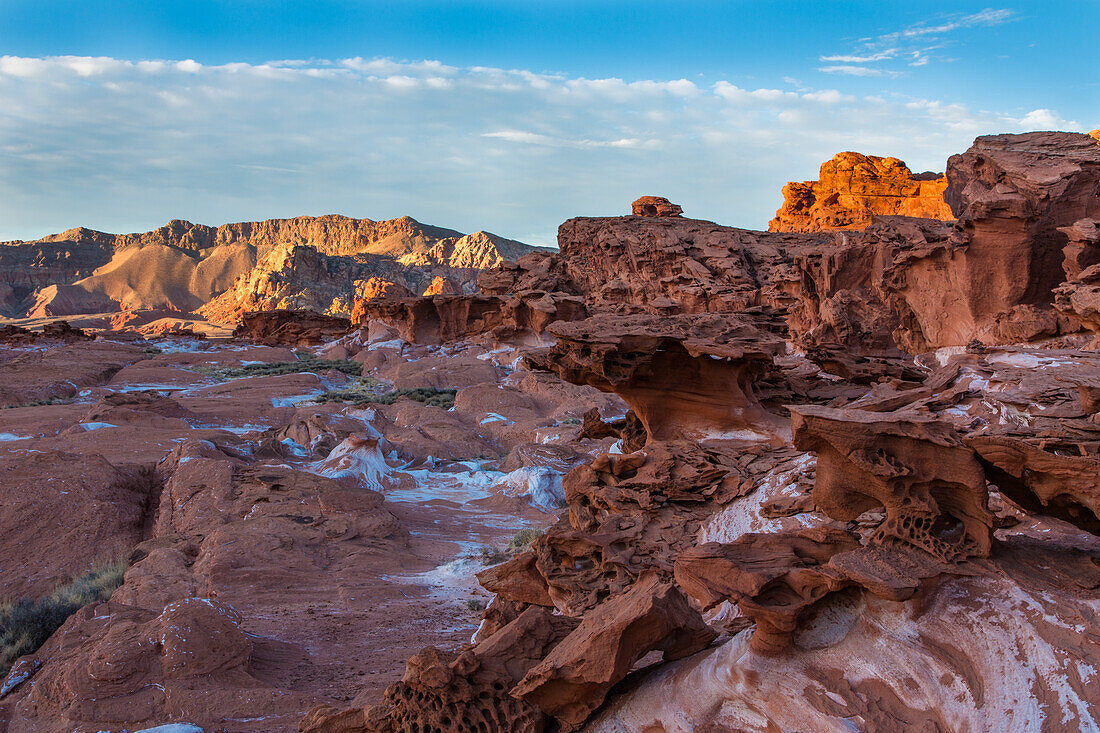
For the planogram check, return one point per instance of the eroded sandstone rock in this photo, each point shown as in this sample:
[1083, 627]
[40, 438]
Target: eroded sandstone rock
[655, 206]
[916, 468]
[573, 679]
[919, 285]
[683, 376]
[290, 328]
[852, 188]
[1049, 482]
[446, 318]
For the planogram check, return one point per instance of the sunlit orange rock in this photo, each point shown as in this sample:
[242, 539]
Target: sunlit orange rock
[854, 187]
[656, 206]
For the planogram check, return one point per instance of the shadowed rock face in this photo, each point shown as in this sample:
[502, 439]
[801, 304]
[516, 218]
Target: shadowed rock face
[683, 376]
[1078, 297]
[854, 188]
[1012, 194]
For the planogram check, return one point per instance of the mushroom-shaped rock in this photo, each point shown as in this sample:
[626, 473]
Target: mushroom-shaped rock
[574, 678]
[778, 579]
[655, 206]
[773, 578]
[929, 482]
[683, 376]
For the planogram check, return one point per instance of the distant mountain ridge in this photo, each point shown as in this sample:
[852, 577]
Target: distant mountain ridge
[318, 262]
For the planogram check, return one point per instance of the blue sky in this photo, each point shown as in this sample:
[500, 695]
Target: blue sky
[506, 116]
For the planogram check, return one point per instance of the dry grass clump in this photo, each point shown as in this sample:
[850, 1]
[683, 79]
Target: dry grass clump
[26, 624]
[520, 543]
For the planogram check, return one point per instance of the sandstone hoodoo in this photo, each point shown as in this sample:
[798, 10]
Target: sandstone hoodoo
[853, 189]
[674, 476]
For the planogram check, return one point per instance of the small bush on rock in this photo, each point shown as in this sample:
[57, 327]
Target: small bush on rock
[26, 624]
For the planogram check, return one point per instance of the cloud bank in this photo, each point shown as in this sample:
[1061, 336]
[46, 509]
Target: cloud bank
[126, 145]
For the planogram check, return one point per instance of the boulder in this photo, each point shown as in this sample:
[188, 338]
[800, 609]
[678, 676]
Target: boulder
[655, 206]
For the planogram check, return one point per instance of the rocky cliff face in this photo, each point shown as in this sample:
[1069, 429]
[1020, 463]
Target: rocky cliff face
[853, 188]
[312, 262]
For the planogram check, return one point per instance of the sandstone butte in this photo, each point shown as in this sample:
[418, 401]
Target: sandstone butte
[674, 476]
[853, 188]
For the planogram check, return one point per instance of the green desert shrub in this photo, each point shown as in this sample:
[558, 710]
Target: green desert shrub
[26, 624]
[305, 363]
[369, 391]
[42, 403]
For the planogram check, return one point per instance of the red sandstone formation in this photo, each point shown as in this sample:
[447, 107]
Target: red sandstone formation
[1043, 481]
[934, 510]
[655, 206]
[1079, 296]
[290, 328]
[59, 330]
[928, 482]
[1012, 194]
[673, 265]
[915, 286]
[573, 679]
[854, 188]
[683, 376]
[464, 693]
[445, 318]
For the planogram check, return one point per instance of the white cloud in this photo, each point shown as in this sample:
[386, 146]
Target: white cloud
[1042, 119]
[917, 42]
[126, 145]
[866, 59]
[856, 71]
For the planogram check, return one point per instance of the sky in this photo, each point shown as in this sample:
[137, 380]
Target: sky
[504, 116]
